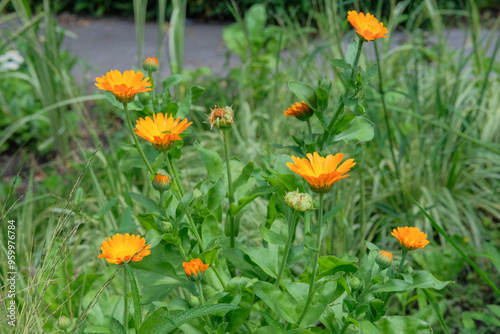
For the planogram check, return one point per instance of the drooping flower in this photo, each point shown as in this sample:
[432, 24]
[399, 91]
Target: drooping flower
[384, 259]
[123, 248]
[161, 182]
[410, 238]
[221, 117]
[321, 173]
[367, 26]
[299, 110]
[150, 64]
[161, 131]
[195, 269]
[125, 85]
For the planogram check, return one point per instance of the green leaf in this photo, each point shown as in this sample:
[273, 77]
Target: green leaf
[366, 327]
[156, 263]
[238, 258]
[212, 161]
[147, 221]
[135, 296]
[197, 312]
[153, 237]
[172, 80]
[425, 280]
[352, 49]
[359, 128]
[244, 176]
[209, 230]
[263, 258]
[216, 195]
[319, 302]
[393, 285]
[193, 94]
[329, 265]
[469, 317]
[272, 237]
[255, 20]
[112, 99]
[260, 191]
[304, 92]
[275, 326]
[115, 327]
[156, 324]
[322, 96]
[146, 202]
[400, 324]
[340, 63]
[280, 302]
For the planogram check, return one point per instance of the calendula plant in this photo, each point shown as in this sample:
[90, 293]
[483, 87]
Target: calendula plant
[194, 272]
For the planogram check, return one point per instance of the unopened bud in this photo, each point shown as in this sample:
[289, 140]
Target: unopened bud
[144, 97]
[64, 323]
[166, 227]
[355, 282]
[221, 117]
[150, 64]
[161, 182]
[384, 259]
[299, 201]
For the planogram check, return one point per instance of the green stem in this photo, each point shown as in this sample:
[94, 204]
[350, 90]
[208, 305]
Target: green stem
[315, 265]
[150, 75]
[125, 306]
[402, 262]
[291, 234]
[340, 107]
[174, 175]
[232, 229]
[134, 136]
[309, 129]
[192, 226]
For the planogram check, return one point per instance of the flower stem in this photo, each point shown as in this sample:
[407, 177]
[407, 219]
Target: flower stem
[309, 130]
[173, 174]
[315, 265]
[232, 229]
[340, 107]
[402, 262]
[134, 136]
[291, 234]
[125, 306]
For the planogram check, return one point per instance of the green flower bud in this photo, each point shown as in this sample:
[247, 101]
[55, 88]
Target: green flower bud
[144, 97]
[355, 282]
[150, 64]
[64, 323]
[166, 227]
[299, 201]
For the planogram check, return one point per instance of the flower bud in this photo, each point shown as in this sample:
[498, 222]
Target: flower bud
[384, 259]
[150, 64]
[64, 323]
[144, 97]
[299, 201]
[221, 117]
[355, 282]
[161, 182]
[166, 227]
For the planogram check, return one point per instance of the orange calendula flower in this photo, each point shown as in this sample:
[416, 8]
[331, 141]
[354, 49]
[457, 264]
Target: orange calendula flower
[195, 269]
[150, 64]
[161, 131]
[299, 110]
[384, 259]
[367, 26]
[321, 173]
[122, 248]
[410, 238]
[125, 85]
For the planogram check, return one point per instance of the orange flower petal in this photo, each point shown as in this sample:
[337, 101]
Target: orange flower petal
[367, 26]
[121, 248]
